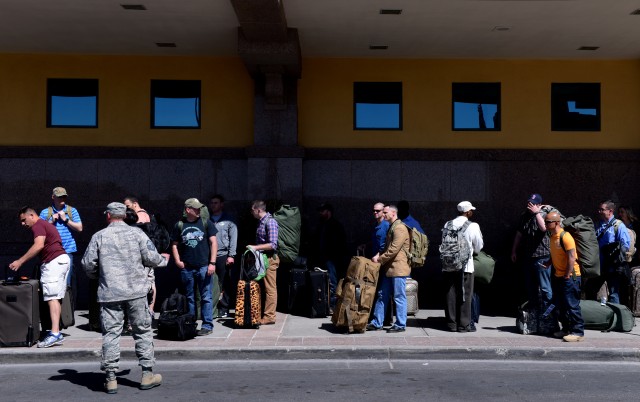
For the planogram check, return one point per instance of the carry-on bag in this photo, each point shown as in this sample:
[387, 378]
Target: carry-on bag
[248, 302]
[67, 316]
[634, 291]
[19, 312]
[175, 323]
[318, 285]
[411, 290]
[298, 300]
[356, 293]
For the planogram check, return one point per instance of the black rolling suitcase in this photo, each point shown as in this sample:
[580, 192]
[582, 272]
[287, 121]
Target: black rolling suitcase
[298, 301]
[19, 312]
[318, 285]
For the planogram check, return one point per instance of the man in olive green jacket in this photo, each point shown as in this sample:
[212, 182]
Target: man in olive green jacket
[395, 269]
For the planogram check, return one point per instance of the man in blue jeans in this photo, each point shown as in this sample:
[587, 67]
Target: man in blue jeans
[566, 280]
[194, 249]
[394, 270]
[531, 248]
[613, 241]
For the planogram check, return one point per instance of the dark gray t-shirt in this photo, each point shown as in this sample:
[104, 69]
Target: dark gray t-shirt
[193, 242]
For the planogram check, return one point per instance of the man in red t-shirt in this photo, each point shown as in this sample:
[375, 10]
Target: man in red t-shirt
[53, 271]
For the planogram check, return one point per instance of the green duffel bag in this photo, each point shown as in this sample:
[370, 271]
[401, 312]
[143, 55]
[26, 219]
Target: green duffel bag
[624, 318]
[289, 226]
[483, 266]
[596, 316]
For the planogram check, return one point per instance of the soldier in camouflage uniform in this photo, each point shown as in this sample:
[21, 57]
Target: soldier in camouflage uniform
[117, 256]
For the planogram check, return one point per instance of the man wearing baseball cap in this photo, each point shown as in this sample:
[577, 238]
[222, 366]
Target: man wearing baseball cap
[459, 284]
[194, 248]
[531, 249]
[67, 221]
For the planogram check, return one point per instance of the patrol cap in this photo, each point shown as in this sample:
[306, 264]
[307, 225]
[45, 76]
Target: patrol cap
[193, 203]
[59, 192]
[116, 209]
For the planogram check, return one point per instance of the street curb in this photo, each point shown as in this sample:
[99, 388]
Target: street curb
[26, 356]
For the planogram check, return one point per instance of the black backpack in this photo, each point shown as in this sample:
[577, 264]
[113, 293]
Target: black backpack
[175, 322]
[157, 233]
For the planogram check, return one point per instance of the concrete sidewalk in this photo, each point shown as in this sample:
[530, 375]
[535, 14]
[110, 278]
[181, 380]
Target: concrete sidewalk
[294, 337]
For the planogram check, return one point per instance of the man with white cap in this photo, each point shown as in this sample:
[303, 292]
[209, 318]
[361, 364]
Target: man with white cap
[460, 239]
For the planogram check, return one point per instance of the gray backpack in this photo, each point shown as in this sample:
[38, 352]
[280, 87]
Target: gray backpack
[454, 250]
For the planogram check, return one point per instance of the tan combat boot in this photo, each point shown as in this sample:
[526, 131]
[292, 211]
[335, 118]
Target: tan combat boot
[111, 386]
[150, 380]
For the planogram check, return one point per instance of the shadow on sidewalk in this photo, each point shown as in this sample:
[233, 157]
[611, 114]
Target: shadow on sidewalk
[92, 380]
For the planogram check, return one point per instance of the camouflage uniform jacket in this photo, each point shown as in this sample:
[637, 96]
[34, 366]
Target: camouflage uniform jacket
[117, 256]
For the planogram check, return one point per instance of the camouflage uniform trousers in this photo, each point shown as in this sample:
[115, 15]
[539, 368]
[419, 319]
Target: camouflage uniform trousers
[112, 317]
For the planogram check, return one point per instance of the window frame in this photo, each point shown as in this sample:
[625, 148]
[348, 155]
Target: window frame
[171, 85]
[377, 96]
[478, 85]
[592, 86]
[74, 87]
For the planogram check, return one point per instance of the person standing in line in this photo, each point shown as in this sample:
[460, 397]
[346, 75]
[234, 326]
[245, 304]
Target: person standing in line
[566, 280]
[67, 221]
[267, 242]
[227, 238]
[194, 248]
[459, 290]
[614, 242]
[394, 271]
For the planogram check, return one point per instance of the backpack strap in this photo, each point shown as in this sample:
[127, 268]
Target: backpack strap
[68, 210]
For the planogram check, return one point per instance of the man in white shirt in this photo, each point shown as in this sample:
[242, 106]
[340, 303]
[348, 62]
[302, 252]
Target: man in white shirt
[459, 283]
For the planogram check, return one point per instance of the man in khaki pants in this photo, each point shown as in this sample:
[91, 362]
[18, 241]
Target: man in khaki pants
[267, 242]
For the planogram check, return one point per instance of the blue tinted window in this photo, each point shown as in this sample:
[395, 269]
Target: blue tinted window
[476, 106]
[72, 102]
[372, 115]
[175, 104]
[176, 112]
[575, 107]
[377, 105]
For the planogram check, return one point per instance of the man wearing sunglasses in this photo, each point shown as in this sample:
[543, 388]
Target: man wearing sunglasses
[566, 280]
[614, 242]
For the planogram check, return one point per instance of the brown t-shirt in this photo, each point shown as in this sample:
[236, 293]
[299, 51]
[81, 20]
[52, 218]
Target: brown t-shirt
[52, 243]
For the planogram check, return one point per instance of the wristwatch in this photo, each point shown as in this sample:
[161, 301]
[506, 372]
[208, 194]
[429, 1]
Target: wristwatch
[212, 263]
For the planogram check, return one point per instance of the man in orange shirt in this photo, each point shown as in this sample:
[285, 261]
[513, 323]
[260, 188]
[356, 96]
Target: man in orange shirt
[566, 280]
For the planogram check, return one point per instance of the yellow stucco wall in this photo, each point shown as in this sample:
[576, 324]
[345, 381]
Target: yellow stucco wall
[124, 100]
[326, 103]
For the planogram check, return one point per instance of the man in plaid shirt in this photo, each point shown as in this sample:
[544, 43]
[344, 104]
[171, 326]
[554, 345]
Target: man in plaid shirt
[267, 242]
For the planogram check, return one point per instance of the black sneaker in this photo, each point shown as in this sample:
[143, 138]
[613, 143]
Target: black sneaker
[371, 327]
[204, 331]
[223, 314]
[395, 329]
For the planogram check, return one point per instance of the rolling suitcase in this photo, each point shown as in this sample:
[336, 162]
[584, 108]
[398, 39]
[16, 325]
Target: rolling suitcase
[67, 318]
[19, 309]
[298, 293]
[248, 304]
[634, 291]
[318, 285]
[412, 296]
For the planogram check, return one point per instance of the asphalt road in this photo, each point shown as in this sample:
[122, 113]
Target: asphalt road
[332, 381]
